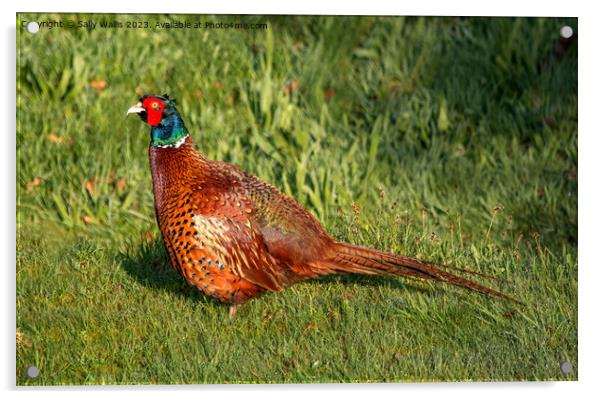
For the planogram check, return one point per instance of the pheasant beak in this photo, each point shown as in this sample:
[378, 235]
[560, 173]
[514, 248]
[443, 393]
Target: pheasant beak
[136, 109]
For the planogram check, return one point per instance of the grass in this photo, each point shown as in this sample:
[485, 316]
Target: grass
[451, 139]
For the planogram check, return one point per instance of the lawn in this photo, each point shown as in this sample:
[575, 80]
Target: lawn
[449, 139]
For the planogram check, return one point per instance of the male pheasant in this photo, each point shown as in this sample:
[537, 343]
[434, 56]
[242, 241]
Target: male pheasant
[234, 236]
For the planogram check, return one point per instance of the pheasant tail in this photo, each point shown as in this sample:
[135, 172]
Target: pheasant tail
[348, 258]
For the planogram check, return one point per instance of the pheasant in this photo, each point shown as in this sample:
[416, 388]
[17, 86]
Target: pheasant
[234, 236]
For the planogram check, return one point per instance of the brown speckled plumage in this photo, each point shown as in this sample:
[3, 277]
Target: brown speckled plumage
[234, 236]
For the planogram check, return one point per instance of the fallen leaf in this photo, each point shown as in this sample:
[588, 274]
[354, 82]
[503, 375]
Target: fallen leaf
[311, 326]
[550, 122]
[87, 219]
[98, 84]
[198, 93]
[329, 93]
[55, 138]
[509, 314]
[292, 87]
[33, 184]
[148, 236]
[120, 184]
[90, 185]
[394, 86]
[218, 85]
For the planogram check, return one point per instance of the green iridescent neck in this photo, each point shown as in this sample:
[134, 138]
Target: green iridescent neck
[170, 132]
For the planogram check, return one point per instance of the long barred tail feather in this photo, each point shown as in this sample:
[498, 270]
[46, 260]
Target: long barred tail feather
[350, 258]
[466, 271]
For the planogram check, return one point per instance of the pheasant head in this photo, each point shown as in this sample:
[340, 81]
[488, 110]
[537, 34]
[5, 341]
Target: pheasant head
[167, 127]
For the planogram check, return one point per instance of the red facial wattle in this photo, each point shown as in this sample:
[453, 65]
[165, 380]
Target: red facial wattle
[154, 110]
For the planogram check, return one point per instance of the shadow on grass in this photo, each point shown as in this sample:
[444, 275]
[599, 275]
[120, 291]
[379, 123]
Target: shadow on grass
[148, 264]
[370, 281]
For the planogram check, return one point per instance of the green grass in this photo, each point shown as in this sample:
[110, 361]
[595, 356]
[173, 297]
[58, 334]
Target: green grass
[451, 139]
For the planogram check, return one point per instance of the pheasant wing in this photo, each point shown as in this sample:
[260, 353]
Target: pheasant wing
[225, 231]
[238, 245]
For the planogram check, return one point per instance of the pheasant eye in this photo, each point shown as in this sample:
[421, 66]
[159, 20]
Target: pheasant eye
[155, 105]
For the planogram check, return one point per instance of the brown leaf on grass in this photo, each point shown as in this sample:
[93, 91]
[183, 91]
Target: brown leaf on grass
[148, 236]
[54, 138]
[87, 219]
[98, 84]
[329, 93]
[509, 314]
[292, 87]
[120, 184]
[298, 46]
[57, 139]
[198, 93]
[541, 192]
[90, 185]
[394, 86]
[550, 122]
[311, 326]
[218, 85]
[33, 184]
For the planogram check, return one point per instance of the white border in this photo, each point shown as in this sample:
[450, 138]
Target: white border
[590, 122]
